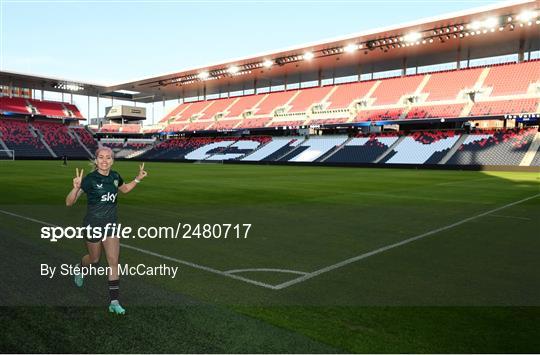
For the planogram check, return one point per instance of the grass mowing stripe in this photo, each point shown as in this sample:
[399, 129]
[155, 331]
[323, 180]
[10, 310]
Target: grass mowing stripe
[395, 245]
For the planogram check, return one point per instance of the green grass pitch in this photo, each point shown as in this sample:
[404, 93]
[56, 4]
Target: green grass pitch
[324, 266]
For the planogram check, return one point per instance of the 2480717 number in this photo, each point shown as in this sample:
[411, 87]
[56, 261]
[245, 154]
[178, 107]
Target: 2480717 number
[215, 231]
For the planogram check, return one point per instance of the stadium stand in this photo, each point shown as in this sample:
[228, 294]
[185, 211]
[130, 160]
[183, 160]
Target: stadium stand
[36, 107]
[328, 121]
[286, 152]
[439, 94]
[173, 114]
[110, 128]
[378, 115]
[113, 143]
[505, 147]
[128, 149]
[536, 159]
[421, 148]
[131, 128]
[488, 108]
[49, 108]
[274, 101]
[315, 147]
[86, 138]
[288, 123]
[512, 79]
[175, 127]
[346, 94]
[362, 149]
[225, 124]
[60, 139]
[191, 109]
[254, 122]
[503, 89]
[73, 111]
[437, 111]
[14, 105]
[447, 85]
[239, 148]
[391, 90]
[275, 145]
[309, 97]
[176, 148]
[198, 126]
[215, 107]
[243, 104]
[19, 136]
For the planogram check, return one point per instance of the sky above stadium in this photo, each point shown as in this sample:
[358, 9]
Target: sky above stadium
[116, 41]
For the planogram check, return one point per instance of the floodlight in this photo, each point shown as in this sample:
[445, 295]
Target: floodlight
[233, 70]
[475, 25]
[412, 37]
[350, 48]
[527, 15]
[491, 22]
[308, 56]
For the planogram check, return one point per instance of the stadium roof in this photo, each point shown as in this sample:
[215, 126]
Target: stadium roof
[480, 27]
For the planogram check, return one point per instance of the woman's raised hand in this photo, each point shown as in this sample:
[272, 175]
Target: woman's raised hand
[142, 173]
[78, 178]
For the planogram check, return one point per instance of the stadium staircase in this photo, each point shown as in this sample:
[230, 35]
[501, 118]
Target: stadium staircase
[481, 79]
[267, 150]
[390, 149]
[78, 139]
[467, 109]
[534, 148]
[5, 147]
[329, 154]
[140, 152]
[316, 147]
[36, 133]
[297, 144]
[454, 149]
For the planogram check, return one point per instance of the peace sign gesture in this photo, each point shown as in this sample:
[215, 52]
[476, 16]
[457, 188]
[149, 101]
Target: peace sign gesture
[78, 178]
[142, 173]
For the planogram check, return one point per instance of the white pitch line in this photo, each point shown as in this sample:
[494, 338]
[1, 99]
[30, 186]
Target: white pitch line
[148, 252]
[395, 245]
[28, 218]
[287, 271]
[200, 267]
[513, 217]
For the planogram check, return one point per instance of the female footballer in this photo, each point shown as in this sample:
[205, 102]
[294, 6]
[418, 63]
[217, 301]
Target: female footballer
[101, 187]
